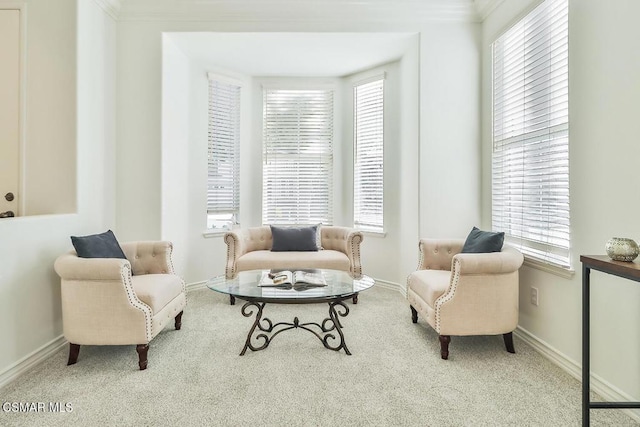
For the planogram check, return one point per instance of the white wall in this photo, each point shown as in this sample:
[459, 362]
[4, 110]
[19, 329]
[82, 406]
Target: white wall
[29, 287]
[604, 65]
[449, 131]
[448, 118]
[175, 152]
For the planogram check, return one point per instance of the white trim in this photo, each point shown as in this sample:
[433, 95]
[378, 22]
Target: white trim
[606, 390]
[549, 268]
[196, 286]
[385, 284]
[207, 234]
[368, 77]
[484, 8]
[287, 84]
[111, 7]
[230, 80]
[31, 360]
[310, 11]
[379, 234]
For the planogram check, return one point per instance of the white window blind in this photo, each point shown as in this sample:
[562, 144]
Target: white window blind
[223, 157]
[297, 157]
[368, 179]
[530, 159]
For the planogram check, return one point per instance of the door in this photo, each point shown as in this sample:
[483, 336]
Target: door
[9, 111]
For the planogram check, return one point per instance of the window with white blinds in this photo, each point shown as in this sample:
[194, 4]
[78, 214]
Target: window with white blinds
[223, 154]
[530, 161]
[297, 157]
[368, 176]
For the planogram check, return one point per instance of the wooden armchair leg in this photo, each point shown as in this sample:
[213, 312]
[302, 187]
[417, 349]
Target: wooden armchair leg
[232, 300]
[178, 321]
[414, 315]
[508, 342]
[74, 350]
[142, 350]
[444, 346]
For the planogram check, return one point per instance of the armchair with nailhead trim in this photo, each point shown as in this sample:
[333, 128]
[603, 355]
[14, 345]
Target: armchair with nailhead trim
[465, 293]
[113, 301]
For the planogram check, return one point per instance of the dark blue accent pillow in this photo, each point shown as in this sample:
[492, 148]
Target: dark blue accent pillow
[102, 245]
[294, 238]
[479, 241]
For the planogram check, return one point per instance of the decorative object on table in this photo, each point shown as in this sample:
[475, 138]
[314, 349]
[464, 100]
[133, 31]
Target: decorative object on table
[622, 249]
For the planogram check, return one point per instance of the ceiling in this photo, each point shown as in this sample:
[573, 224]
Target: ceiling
[301, 53]
[293, 54]
[302, 10]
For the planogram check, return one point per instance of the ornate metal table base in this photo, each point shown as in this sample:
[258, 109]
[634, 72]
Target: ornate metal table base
[264, 330]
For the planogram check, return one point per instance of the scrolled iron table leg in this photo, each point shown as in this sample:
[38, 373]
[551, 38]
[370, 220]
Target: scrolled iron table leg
[248, 312]
[334, 316]
[265, 330]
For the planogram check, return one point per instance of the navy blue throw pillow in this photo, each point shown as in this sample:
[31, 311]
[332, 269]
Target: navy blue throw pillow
[294, 238]
[479, 241]
[102, 245]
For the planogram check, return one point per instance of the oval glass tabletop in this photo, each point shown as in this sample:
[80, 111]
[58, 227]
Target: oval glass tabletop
[339, 285]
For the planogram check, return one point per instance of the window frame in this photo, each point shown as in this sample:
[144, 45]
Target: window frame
[373, 114]
[271, 165]
[555, 253]
[220, 221]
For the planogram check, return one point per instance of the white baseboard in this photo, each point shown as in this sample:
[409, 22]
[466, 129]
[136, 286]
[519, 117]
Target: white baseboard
[606, 390]
[196, 285]
[29, 361]
[385, 284]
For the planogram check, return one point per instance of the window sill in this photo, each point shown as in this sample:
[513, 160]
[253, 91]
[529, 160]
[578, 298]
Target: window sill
[207, 234]
[380, 234]
[566, 273]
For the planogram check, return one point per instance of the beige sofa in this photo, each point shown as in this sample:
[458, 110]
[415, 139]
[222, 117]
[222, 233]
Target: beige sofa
[103, 304]
[465, 293]
[250, 249]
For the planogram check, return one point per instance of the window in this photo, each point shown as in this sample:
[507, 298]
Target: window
[368, 136]
[223, 155]
[297, 157]
[530, 160]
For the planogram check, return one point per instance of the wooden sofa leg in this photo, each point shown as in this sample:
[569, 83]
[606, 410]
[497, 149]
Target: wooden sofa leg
[178, 321]
[232, 300]
[142, 350]
[74, 350]
[444, 346]
[414, 314]
[508, 342]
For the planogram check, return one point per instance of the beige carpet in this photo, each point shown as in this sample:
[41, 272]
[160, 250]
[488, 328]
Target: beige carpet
[395, 377]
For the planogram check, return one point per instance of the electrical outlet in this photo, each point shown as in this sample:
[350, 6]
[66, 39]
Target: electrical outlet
[534, 296]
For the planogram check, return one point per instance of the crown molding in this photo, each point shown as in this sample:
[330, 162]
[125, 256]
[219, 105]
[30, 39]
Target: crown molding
[308, 11]
[484, 8]
[111, 7]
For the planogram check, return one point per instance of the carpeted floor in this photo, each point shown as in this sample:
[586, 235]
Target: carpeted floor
[395, 376]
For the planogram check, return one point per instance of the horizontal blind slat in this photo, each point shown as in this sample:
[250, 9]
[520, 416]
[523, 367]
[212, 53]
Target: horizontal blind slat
[530, 160]
[368, 172]
[297, 156]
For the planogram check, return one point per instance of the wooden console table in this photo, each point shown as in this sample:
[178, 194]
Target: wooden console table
[627, 270]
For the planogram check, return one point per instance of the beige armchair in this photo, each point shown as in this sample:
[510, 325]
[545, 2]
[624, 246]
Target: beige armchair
[465, 293]
[104, 304]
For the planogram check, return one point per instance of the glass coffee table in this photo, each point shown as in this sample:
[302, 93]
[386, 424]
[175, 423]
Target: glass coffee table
[340, 286]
